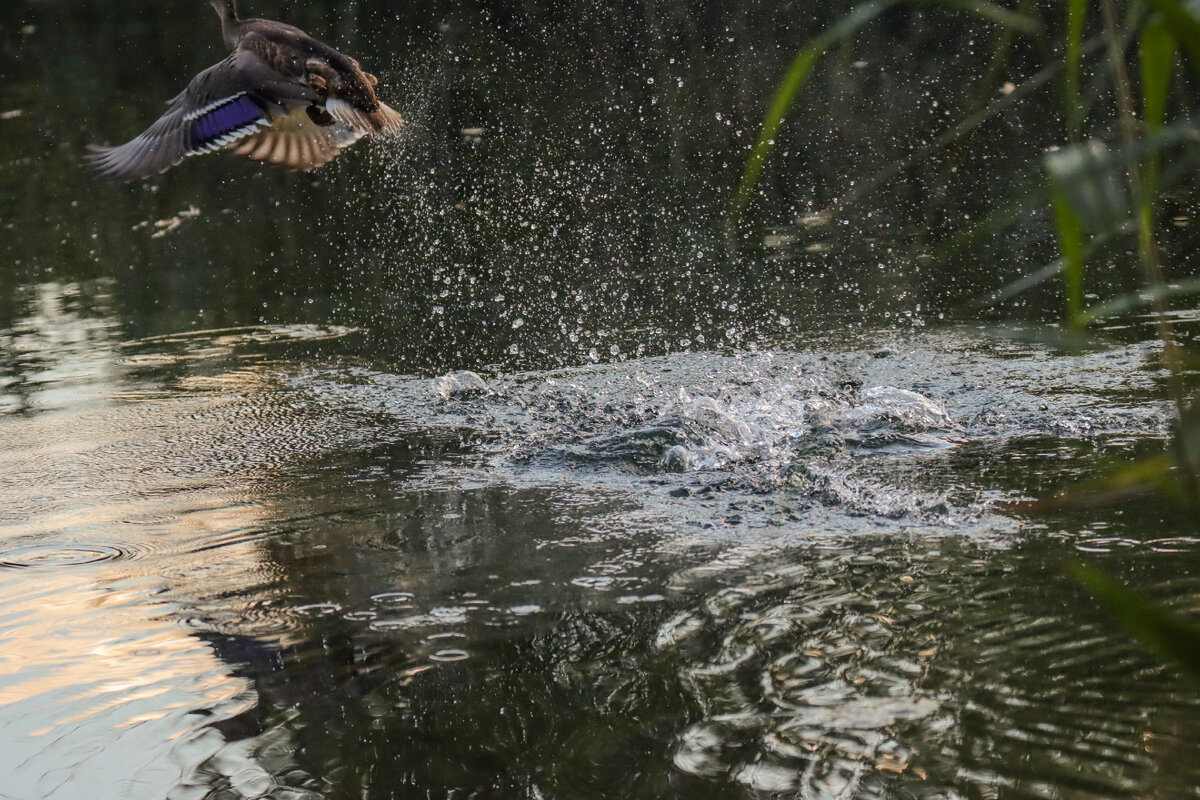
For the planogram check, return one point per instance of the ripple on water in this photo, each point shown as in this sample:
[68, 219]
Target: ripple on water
[246, 335]
[873, 673]
[49, 555]
[317, 609]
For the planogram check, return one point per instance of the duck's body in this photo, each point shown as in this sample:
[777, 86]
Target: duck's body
[281, 96]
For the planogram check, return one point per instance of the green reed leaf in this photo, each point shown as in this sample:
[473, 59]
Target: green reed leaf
[802, 65]
[1156, 475]
[793, 81]
[991, 12]
[1171, 636]
[1076, 18]
[1157, 52]
[1051, 336]
[1071, 242]
[1187, 447]
[1140, 299]
[1184, 24]
[1157, 56]
[1091, 179]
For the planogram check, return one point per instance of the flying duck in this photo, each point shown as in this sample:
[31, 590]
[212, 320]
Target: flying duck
[280, 96]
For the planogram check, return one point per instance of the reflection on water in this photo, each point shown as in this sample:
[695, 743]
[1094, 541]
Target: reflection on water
[253, 562]
[57, 353]
[103, 694]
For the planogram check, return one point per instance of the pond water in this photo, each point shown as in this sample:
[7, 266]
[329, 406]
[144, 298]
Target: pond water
[484, 465]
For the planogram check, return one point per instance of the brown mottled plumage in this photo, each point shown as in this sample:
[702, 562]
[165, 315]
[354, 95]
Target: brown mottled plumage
[281, 97]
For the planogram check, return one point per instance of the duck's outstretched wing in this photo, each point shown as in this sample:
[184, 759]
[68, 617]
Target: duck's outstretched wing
[305, 139]
[224, 104]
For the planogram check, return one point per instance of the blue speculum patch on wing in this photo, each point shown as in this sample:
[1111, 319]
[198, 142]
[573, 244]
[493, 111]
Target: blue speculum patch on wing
[223, 122]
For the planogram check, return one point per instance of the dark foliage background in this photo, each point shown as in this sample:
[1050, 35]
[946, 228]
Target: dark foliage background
[592, 202]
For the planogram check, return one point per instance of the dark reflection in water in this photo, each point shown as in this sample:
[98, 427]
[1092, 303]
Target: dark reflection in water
[856, 670]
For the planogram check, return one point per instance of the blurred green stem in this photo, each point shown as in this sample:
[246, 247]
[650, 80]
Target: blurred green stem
[802, 65]
[1183, 26]
[1147, 242]
[1071, 241]
[793, 81]
[1076, 17]
[1173, 637]
[1157, 51]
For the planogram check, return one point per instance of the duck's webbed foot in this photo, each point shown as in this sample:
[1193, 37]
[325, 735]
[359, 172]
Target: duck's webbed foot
[319, 115]
[318, 75]
[318, 85]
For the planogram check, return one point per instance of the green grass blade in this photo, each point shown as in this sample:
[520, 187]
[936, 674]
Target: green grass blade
[793, 81]
[1174, 638]
[1157, 54]
[1092, 179]
[1081, 183]
[1153, 476]
[1184, 24]
[1187, 450]
[1054, 337]
[993, 13]
[1076, 18]
[1146, 297]
[1071, 242]
[801, 68]
[1023, 284]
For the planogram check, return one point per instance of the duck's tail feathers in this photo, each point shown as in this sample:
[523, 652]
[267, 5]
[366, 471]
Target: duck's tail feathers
[383, 120]
[386, 120]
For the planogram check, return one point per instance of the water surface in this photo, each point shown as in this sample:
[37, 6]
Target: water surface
[241, 560]
[488, 465]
